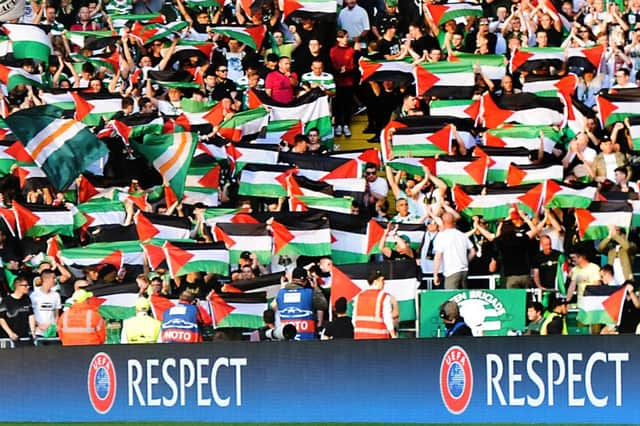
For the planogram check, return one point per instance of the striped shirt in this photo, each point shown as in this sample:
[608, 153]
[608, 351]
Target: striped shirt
[324, 80]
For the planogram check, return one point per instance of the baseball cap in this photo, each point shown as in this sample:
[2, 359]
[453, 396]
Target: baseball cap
[142, 304]
[392, 3]
[245, 255]
[299, 273]
[81, 295]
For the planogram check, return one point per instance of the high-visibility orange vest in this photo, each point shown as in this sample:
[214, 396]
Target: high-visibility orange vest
[367, 315]
[81, 325]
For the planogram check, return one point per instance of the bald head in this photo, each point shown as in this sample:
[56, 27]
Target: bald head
[448, 221]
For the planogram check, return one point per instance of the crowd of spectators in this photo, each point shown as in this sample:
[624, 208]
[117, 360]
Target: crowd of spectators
[304, 51]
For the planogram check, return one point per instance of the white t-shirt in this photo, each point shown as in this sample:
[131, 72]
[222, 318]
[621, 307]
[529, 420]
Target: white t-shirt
[45, 305]
[379, 187]
[354, 21]
[454, 246]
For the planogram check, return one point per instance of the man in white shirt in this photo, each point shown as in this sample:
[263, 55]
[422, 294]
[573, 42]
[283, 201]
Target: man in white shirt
[453, 250]
[46, 303]
[355, 21]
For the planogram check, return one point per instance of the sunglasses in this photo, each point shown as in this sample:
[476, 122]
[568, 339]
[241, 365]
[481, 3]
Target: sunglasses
[223, 70]
[370, 173]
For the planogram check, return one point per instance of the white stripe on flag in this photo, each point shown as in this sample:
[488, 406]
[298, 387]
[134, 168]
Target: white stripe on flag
[48, 140]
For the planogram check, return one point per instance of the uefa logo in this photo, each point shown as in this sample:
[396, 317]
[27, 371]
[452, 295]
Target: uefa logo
[101, 383]
[456, 380]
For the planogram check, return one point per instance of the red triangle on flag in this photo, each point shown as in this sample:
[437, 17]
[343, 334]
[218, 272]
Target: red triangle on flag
[493, 115]
[430, 163]
[453, 58]
[348, 170]
[437, 11]
[53, 248]
[583, 219]
[550, 190]
[17, 151]
[297, 205]
[477, 169]
[292, 186]
[159, 305]
[442, 138]
[95, 302]
[368, 68]
[614, 304]
[211, 179]
[25, 218]
[425, 80]
[515, 175]
[140, 201]
[606, 108]
[155, 255]
[115, 258]
[10, 219]
[461, 198]
[170, 196]
[183, 121]
[479, 152]
[246, 6]
[4, 73]
[83, 108]
[374, 234]
[176, 258]
[244, 218]
[473, 110]
[567, 84]
[215, 116]
[228, 288]
[257, 33]
[519, 58]
[221, 309]
[281, 236]
[493, 141]
[282, 177]
[122, 129]
[370, 156]
[293, 131]
[145, 228]
[533, 197]
[253, 101]
[220, 235]
[22, 175]
[342, 286]
[86, 190]
[594, 54]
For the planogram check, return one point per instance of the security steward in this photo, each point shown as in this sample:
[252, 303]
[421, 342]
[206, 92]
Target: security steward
[556, 321]
[453, 322]
[141, 328]
[373, 311]
[81, 324]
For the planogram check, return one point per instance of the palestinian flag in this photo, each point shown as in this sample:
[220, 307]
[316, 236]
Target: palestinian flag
[413, 165]
[415, 232]
[186, 49]
[400, 281]
[616, 107]
[135, 126]
[178, 79]
[119, 21]
[213, 216]
[238, 310]
[501, 159]
[523, 174]
[559, 195]
[549, 86]
[245, 125]
[116, 254]
[602, 304]
[322, 168]
[282, 130]
[353, 238]
[581, 58]
[62, 147]
[37, 220]
[594, 222]
[252, 35]
[420, 141]
[185, 257]
[447, 80]
[84, 38]
[301, 238]
[634, 131]
[239, 237]
[522, 108]
[203, 175]
[170, 155]
[302, 186]
[493, 66]
[151, 225]
[269, 284]
[525, 136]
[463, 171]
[29, 42]
[96, 107]
[13, 77]
[8, 152]
[100, 213]
[460, 108]
[115, 306]
[312, 110]
[263, 180]
[385, 70]
[154, 31]
[313, 7]
[241, 154]
[441, 13]
[330, 204]
[533, 58]
[492, 202]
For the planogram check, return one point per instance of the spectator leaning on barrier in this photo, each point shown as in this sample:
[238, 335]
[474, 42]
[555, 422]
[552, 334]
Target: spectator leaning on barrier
[81, 324]
[141, 328]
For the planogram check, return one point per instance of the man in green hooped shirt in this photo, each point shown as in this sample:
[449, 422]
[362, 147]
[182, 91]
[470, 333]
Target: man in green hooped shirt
[318, 78]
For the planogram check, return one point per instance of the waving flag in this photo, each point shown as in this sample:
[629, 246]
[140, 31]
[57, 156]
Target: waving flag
[501, 159]
[594, 222]
[421, 141]
[186, 257]
[308, 6]
[100, 106]
[116, 254]
[62, 147]
[36, 220]
[446, 80]
[151, 225]
[534, 58]
[618, 106]
[441, 13]
[239, 237]
[385, 70]
[245, 126]
[171, 156]
[602, 304]
[492, 202]
[29, 42]
[252, 36]
[549, 86]
[588, 58]
[559, 195]
[463, 171]
[523, 174]
[493, 66]
[12, 77]
[262, 180]
[523, 136]
[238, 310]
[522, 108]
[241, 154]
[298, 234]
[100, 213]
[353, 238]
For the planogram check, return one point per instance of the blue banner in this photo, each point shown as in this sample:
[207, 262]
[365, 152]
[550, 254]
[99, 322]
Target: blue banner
[582, 379]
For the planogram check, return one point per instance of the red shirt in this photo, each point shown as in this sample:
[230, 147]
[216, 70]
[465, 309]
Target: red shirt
[343, 57]
[280, 85]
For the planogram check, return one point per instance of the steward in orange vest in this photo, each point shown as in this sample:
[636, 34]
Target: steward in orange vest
[81, 324]
[373, 311]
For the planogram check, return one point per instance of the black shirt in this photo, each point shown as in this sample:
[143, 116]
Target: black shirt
[630, 318]
[515, 246]
[221, 90]
[424, 43]
[340, 328]
[386, 47]
[16, 313]
[547, 266]
[554, 37]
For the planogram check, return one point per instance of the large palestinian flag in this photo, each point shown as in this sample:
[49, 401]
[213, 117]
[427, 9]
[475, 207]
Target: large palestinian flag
[601, 304]
[613, 107]
[521, 108]
[441, 13]
[445, 80]
[115, 254]
[533, 58]
[240, 237]
[36, 220]
[238, 310]
[594, 223]
[492, 202]
[186, 257]
[385, 70]
[353, 238]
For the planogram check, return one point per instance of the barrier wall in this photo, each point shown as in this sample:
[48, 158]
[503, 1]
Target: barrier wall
[518, 379]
